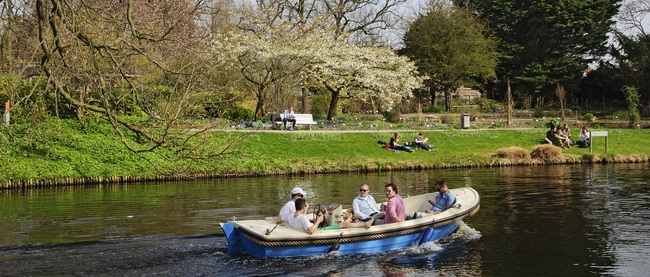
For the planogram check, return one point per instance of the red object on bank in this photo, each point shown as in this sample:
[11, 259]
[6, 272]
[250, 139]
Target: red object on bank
[7, 106]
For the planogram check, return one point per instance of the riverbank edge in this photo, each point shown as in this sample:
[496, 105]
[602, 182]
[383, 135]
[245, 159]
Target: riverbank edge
[567, 159]
[76, 156]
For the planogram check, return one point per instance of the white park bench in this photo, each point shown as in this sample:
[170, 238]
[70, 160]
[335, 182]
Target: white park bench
[598, 134]
[301, 119]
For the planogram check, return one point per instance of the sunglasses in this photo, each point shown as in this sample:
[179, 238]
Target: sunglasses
[363, 190]
[388, 191]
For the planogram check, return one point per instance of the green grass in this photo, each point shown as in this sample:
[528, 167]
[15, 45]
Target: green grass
[64, 150]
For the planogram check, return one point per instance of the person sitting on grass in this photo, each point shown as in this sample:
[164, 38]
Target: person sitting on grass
[394, 144]
[566, 132]
[421, 142]
[562, 139]
[550, 136]
[584, 137]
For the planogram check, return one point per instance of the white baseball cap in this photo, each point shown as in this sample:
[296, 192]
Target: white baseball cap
[298, 191]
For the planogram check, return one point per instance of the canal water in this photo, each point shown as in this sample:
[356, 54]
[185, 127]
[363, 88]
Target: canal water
[566, 220]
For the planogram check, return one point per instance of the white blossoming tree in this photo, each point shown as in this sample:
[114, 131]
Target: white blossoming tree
[268, 56]
[363, 74]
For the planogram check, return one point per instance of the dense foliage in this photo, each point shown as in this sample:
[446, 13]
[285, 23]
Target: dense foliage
[452, 47]
[546, 42]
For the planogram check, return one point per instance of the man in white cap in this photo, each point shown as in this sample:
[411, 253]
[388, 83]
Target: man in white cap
[290, 206]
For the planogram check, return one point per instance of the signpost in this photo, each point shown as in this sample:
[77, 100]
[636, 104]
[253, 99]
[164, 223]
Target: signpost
[7, 105]
[598, 134]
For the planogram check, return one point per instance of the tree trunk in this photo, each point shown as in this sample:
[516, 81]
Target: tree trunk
[509, 103]
[305, 92]
[259, 108]
[447, 98]
[432, 91]
[333, 104]
[560, 92]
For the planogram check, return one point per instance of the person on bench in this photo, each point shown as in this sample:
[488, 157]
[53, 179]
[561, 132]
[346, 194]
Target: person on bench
[289, 116]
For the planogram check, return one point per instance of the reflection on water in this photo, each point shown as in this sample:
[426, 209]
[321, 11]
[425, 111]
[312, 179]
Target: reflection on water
[575, 220]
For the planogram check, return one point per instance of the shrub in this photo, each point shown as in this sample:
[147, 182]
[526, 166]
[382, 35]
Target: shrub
[554, 122]
[392, 116]
[433, 109]
[239, 114]
[538, 112]
[319, 116]
[497, 124]
[539, 124]
[588, 117]
[619, 115]
[487, 105]
[446, 119]
[320, 104]
[370, 117]
[633, 102]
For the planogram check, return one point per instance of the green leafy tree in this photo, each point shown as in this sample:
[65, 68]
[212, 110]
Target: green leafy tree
[451, 47]
[634, 62]
[633, 51]
[632, 99]
[548, 41]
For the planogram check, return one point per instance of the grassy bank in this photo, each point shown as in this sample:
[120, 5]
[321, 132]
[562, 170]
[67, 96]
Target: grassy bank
[63, 153]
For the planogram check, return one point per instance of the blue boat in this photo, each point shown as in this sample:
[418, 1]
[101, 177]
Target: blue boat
[266, 238]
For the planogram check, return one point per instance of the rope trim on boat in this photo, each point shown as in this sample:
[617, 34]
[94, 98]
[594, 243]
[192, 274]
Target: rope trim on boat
[358, 238]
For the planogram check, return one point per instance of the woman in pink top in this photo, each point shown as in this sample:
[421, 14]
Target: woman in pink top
[395, 209]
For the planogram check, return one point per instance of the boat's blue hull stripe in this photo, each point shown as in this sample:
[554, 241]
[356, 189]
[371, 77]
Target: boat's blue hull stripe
[240, 244]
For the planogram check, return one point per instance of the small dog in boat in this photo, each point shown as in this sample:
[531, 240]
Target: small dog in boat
[348, 216]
